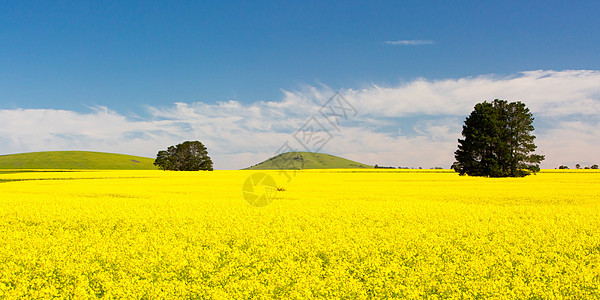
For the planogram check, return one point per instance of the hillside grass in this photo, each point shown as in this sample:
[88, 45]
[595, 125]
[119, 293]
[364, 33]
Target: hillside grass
[75, 160]
[307, 160]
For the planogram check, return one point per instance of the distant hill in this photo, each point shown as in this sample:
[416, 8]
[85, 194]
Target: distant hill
[75, 160]
[306, 160]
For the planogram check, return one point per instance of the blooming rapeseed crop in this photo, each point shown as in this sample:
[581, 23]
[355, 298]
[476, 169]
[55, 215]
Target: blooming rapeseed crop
[327, 234]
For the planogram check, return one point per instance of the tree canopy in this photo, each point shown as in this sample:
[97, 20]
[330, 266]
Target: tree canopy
[498, 141]
[187, 156]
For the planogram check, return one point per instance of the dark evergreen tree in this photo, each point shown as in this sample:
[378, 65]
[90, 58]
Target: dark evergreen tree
[187, 156]
[498, 141]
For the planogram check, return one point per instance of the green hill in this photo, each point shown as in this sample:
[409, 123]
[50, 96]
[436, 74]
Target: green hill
[306, 160]
[75, 160]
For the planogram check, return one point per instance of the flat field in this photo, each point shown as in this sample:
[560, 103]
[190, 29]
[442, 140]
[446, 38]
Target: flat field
[354, 234]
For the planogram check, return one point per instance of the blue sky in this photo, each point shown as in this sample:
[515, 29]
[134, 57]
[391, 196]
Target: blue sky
[135, 60]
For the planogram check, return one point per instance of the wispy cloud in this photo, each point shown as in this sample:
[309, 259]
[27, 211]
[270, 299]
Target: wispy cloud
[412, 124]
[410, 42]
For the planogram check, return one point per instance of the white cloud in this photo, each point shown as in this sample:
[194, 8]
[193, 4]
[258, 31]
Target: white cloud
[409, 42]
[550, 93]
[413, 124]
[570, 143]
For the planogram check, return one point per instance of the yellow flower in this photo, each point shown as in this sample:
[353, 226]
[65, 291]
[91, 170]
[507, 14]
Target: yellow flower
[327, 234]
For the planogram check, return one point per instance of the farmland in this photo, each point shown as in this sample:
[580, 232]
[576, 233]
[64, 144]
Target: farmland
[328, 234]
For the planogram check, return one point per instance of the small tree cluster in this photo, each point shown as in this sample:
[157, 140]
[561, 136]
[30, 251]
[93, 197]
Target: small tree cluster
[578, 167]
[187, 156]
[593, 167]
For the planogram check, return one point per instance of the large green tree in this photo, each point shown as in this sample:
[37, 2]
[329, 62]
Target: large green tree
[498, 141]
[187, 156]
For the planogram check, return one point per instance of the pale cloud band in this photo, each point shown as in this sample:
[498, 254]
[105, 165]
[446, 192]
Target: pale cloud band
[410, 42]
[416, 123]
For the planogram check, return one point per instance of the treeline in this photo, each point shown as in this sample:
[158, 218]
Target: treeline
[578, 167]
[406, 168]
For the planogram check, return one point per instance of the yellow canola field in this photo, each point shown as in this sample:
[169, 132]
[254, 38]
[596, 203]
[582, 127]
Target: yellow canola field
[330, 234]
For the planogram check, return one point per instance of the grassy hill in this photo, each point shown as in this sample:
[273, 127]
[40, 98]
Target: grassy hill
[306, 160]
[75, 160]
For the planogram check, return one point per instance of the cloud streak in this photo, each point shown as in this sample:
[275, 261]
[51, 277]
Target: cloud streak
[413, 124]
[410, 42]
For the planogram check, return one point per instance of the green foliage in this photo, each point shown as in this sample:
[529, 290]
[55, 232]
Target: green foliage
[498, 141]
[187, 156]
[595, 167]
